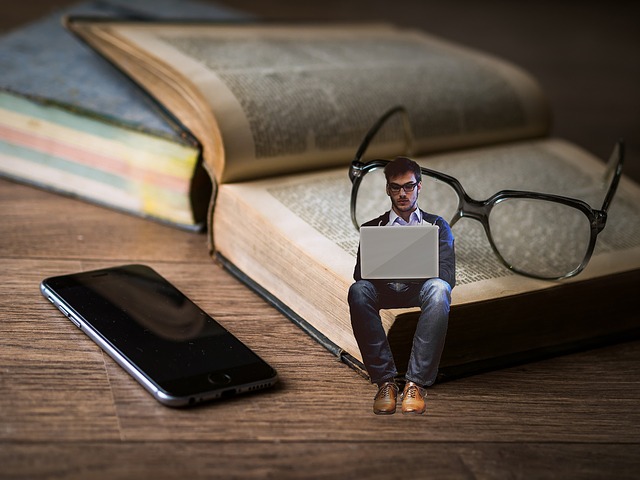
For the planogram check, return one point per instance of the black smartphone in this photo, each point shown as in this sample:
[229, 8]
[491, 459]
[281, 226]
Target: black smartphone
[172, 347]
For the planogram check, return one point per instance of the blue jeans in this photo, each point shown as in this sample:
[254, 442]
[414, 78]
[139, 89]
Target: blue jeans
[434, 299]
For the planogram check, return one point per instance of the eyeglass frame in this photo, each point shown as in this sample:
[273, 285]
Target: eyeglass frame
[407, 187]
[480, 209]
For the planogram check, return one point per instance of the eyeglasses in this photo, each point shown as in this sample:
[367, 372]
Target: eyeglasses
[538, 235]
[407, 187]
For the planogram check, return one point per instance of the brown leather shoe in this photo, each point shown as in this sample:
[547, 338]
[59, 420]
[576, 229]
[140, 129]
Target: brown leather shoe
[413, 399]
[385, 401]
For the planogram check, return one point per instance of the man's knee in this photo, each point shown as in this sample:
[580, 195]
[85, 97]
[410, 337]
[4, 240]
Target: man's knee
[436, 290]
[361, 292]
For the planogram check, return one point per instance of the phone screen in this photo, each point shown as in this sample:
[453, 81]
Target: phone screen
[159, 332]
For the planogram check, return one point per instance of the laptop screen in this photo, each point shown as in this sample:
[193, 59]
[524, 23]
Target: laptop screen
[399, 253]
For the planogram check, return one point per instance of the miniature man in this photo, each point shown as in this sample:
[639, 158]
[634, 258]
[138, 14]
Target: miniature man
[433, 296]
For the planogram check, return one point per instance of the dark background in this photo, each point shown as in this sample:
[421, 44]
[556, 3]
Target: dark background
[586, 55]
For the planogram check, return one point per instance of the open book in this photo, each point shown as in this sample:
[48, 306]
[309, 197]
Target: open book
[279, 112]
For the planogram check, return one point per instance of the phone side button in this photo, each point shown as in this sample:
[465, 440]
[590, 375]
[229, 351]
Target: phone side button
[66, 312]
[75, 322]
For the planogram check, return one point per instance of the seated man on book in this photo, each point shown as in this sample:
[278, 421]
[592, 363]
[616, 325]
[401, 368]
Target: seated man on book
[432, 295]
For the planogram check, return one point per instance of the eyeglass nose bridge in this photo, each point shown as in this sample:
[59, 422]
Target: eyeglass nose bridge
[473, 209]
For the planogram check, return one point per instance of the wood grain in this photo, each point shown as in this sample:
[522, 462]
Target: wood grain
[253, 460]
[68, 411]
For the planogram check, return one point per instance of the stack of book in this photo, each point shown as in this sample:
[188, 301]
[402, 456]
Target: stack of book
[72, 123]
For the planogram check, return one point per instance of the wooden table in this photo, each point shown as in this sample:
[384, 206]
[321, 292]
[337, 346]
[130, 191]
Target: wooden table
[68, 411]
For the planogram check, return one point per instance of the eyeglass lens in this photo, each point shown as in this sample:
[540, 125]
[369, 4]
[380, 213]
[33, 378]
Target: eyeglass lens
[372, 199]
[538, 237]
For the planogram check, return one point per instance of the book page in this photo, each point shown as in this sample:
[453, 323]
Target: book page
[284, 99]
[312, 211]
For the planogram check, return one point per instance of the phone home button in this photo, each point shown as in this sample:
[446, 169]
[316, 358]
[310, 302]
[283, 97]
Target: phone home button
[219, 379]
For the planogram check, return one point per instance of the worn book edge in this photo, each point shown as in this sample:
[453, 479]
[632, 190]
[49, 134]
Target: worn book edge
[465, 369]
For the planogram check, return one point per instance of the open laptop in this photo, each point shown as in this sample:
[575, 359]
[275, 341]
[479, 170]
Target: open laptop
[399, 253]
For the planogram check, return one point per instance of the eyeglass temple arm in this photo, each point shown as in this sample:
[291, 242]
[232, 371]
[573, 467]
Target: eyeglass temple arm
[408, 137]
[614, 167]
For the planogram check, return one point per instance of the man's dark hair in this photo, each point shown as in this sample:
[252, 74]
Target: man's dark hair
[401, 165]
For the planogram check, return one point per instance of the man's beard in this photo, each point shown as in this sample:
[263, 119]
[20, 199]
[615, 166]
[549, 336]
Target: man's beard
[404, 205]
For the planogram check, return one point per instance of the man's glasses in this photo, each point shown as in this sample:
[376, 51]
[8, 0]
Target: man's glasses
[539, 235]
[407, 187]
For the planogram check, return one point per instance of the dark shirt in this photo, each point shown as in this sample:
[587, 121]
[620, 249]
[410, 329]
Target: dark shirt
[447, 256]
